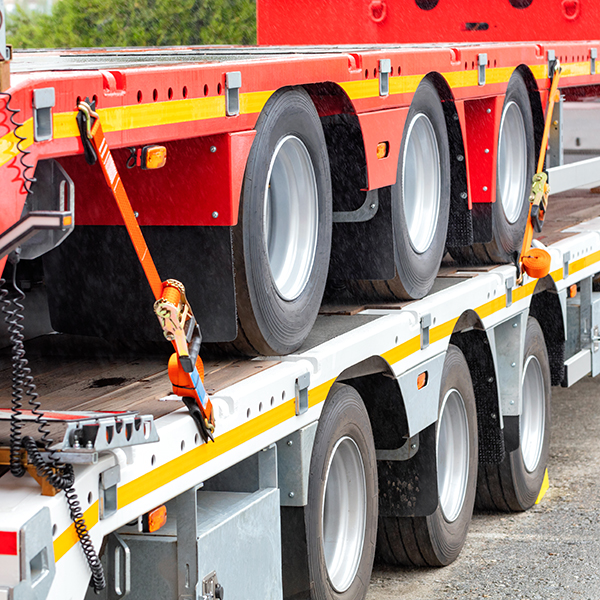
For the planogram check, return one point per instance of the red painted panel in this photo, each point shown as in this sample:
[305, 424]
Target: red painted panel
[426, 21]
[382, 126]
[195, 183]
[8, 543]
[482, 124]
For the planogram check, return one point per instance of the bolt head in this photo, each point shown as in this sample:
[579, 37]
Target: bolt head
[515, 325]
[413, 446]
[513, 365]
[485, 188]
[215, 214]
[463, 195]
[290, 443]
[136, 214]
[488, 110]
[490, 380]
[372, 207]
[291, 494]
[460, 158]
[487, 150]
[213, 149]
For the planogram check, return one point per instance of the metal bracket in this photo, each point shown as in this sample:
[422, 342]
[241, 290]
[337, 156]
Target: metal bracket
[408, 450]
[385, 68]
[43, 103]
[593, 57]
[108, 491]
[302, 384]
[510, 284]
[555, 156]
[365, 213]
[566, 258]
[211, 588]
[233, 83]
[481, 67]
[551, 55]
[119, 567]
[425, 325]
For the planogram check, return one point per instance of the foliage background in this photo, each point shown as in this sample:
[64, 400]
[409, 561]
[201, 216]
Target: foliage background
[105, 23]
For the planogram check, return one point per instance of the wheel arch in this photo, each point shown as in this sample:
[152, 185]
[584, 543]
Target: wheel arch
[547, 308]
[536, 106]
[460, 222]
[471, 337]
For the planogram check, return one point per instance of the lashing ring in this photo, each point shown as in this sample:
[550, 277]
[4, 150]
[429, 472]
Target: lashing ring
[378, 10]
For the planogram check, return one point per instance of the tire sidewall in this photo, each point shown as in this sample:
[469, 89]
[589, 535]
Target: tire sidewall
[417, 271]
[448, 537]
[527, 485]
[267, 315]
[508, 236]
[344, 415]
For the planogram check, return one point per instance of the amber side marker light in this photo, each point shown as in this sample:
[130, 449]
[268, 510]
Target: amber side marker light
[155, 519]
[422, 380]
[383, 149]
[573, 290]
[153, 157]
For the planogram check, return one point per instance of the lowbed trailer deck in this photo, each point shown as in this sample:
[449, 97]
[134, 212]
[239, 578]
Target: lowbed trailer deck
[264, 402]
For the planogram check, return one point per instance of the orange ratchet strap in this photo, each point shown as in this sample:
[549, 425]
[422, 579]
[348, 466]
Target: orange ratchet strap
[186, 370]
[535, 261]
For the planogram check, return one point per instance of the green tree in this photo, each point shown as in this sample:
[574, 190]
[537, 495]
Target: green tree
[109, 23]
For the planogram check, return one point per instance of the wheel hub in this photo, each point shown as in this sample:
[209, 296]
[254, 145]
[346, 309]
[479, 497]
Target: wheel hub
[344, 514]
[290, 218]
[533, 417]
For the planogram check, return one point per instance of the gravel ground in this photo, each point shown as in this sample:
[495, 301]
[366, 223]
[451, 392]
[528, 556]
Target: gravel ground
[551, 551]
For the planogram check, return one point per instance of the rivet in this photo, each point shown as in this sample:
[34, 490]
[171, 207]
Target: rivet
[136, 214]
[493, 415]
[463, 195]
[372, 207]
[290, 443]
[490, 380]
[513, 365]
[512, 402]
[291, 494]
[413, 446]
[515, 325]
[215, 214]
[488, 110]
[460, 158]
[213, 149]
[487, 150]
[485, 188]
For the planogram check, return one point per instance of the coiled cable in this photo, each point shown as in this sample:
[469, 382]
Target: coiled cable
[60, 476]
[27, 180]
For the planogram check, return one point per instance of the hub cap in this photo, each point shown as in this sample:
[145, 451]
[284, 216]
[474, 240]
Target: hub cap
[421, 178]
[344, 514]
[452, 455]
[512, 162]
[291, 217]
[533, 418]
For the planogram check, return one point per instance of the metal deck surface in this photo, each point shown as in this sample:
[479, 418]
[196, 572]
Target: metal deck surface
[29, 61]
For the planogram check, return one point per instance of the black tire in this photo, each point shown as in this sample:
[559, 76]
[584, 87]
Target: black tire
[509, 214]
[418, 260]
[514, 484]
[343, 437]
[275, 320]
[437, 540]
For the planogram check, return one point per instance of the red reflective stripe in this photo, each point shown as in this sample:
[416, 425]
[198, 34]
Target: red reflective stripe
[8, 543]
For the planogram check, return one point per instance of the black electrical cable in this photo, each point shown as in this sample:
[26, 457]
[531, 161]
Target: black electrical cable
[60, 476]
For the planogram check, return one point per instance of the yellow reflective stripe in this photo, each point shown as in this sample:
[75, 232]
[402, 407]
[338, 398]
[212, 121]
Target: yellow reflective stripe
[498, 74]
[151, 481]
[442, 331]
[575, 69]
[460, 79]
[8, 142]
[68, 538]
[254, 102]
[406, 84]
[524, 290]
[557, 275]
[365, 88]
[403, 350]
[539, 71]
[583, 262]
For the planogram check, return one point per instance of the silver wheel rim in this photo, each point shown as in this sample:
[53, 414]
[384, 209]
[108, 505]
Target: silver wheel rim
[291, 217]
[344, 514]
[512, 162]
[421, 182]
[452, 455]
[533, 417]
